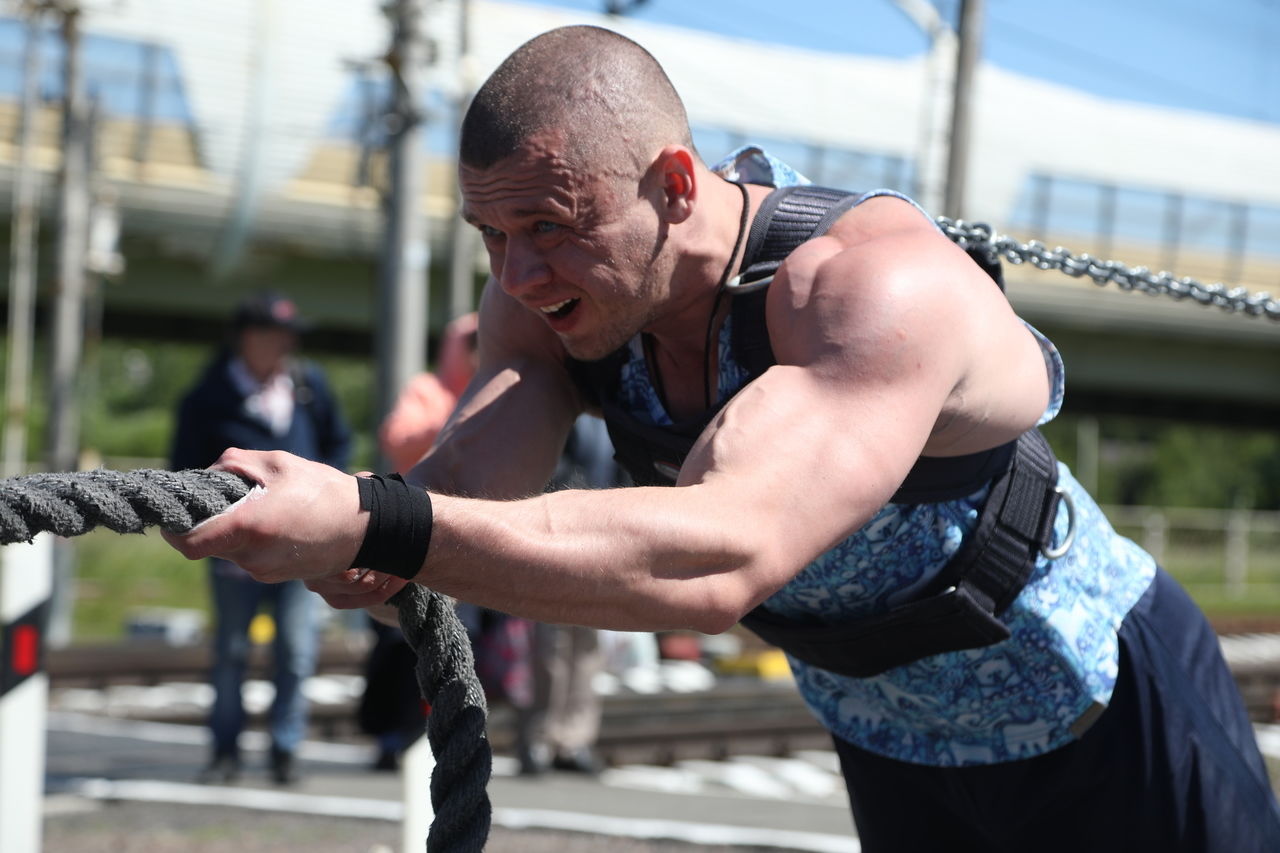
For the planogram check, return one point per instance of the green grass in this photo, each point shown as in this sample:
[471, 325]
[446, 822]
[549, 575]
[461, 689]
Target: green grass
[1197, 558]
[117, 575]
[1261, 601]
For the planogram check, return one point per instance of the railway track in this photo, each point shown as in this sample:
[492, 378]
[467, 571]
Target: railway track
[735, 716]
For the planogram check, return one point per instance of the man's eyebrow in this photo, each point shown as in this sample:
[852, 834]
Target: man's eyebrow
[522, 213]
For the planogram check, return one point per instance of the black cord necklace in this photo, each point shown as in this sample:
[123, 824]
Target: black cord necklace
[707, 352]
[711, 321]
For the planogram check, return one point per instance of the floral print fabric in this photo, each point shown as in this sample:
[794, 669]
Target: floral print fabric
[1015, 699]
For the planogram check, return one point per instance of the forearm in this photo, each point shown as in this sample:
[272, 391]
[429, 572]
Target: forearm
[625, 559]
[476, 453]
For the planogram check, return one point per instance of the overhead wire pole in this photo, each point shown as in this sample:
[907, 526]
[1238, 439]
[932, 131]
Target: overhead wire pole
[401, 330]
[22, 255]
[62, 446]
[462, 238]
[970, 34]
[935, 100]
[73, 238]
[229, 250]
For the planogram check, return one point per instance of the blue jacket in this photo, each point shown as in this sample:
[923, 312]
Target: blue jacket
[213, 417]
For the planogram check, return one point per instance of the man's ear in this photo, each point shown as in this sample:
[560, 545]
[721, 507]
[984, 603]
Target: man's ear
[675, 170]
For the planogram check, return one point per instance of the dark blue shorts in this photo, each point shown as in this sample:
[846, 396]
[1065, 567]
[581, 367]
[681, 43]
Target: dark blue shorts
[1171, 765]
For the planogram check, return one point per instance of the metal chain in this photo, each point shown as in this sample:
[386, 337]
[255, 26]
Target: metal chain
[981, 236]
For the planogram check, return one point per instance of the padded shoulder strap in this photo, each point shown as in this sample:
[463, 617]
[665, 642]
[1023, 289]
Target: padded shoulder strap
[787, 218]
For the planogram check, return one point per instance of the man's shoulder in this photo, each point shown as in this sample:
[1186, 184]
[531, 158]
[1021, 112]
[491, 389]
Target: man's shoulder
[875, 245]
[881, 277]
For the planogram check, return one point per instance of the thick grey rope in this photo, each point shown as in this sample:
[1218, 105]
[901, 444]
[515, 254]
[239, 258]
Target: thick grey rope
[71, 504]
[455, 723]
[176, 501]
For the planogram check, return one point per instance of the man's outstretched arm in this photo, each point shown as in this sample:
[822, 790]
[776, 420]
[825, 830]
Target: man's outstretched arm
[873, 352]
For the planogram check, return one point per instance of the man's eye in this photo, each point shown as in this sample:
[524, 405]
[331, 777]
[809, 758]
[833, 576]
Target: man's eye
[489, 231]
[544, 227]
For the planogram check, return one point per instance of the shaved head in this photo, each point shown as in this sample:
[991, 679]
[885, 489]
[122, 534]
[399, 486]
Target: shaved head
[605, 95]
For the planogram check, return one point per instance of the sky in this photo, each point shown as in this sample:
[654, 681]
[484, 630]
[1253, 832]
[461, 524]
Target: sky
[1216, 56]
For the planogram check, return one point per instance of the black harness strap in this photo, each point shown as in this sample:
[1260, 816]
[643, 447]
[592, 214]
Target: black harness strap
[1015, 526]
[960, 608]
[788, 217]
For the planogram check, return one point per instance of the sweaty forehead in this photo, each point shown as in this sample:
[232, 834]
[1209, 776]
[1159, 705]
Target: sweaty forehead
[535, 178]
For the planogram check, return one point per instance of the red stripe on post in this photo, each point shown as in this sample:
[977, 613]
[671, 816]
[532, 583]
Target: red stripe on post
[26, 650]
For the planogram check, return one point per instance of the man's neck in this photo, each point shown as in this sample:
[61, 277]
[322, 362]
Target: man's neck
[683, 345]
[713, 246]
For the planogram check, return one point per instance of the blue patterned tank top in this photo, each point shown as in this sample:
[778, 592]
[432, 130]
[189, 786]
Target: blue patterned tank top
[1015, 699]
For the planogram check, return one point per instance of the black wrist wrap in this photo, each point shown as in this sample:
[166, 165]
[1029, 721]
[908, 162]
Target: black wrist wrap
[399, 526]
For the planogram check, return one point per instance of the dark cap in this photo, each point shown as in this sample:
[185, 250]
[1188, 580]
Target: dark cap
[269, 309]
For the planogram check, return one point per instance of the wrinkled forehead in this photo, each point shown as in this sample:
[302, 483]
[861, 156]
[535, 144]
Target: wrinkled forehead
[537, 176]
[524, 173]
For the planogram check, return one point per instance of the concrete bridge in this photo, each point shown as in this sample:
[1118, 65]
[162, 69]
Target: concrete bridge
[311, 221]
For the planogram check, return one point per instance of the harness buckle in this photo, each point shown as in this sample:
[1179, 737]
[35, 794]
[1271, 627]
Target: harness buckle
[1054, 552]
[737, 285]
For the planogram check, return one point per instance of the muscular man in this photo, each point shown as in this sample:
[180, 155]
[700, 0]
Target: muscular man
[836, 441]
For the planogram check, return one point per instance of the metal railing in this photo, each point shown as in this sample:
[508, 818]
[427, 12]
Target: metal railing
[1236, 550]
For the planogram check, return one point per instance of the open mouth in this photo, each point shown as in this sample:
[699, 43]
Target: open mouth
[560, 309]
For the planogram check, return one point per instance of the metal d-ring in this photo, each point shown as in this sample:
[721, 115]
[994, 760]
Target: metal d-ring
[1064, 546]
[736, 285]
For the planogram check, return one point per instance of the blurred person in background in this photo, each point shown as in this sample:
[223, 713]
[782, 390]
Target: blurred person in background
[256, 394]
[390, 709]
[544, 671]
[420, 412]
[560, 726]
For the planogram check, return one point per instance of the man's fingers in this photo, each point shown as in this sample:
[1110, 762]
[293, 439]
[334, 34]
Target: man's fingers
[210, 538]
[356, 588]
[258, 466]
[196, 544]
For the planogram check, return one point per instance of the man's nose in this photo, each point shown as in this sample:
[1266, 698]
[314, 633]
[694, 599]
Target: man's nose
[523, 267]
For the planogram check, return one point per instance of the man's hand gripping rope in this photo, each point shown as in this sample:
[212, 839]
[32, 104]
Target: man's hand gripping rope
[214, 512]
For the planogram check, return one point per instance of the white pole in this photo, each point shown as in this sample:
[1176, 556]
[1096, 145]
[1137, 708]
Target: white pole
[935, 100]
[22, 258]
[402, 290]
[67, 323]
[26, 581]
[970, 31]
[416, 764]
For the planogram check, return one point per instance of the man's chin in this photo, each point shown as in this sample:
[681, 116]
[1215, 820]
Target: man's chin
[593, 344]
[588, 350]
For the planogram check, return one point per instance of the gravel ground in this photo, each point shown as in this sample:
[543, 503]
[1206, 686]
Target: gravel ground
[77, 826]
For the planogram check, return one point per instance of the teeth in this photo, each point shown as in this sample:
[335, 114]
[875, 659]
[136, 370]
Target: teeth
[551, 309]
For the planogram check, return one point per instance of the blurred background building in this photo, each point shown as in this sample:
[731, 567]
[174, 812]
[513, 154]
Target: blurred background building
[243, 142]
[218, 148]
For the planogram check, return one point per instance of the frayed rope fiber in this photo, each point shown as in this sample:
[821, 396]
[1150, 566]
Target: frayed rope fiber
[126, 502]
